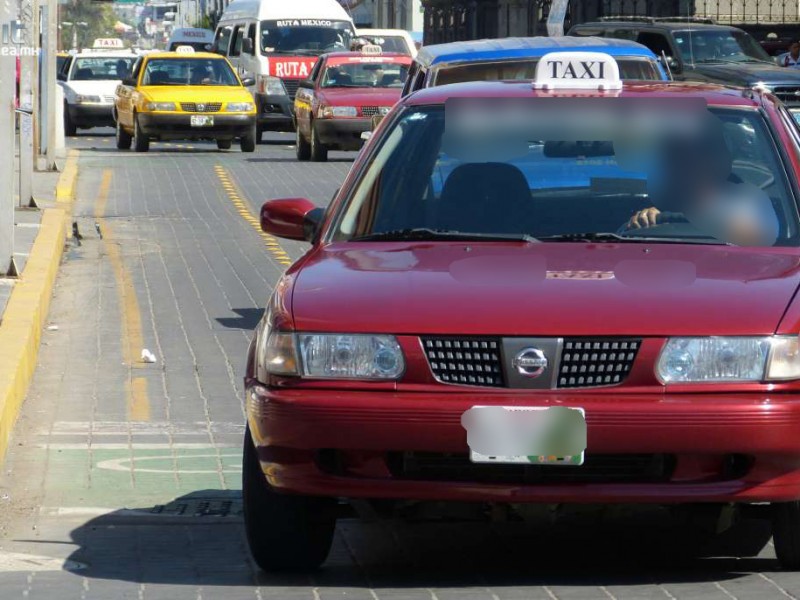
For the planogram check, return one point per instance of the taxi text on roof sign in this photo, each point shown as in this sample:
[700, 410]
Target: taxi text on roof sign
[371, 49]
[108, 43]
[184, 50]
[577, 71]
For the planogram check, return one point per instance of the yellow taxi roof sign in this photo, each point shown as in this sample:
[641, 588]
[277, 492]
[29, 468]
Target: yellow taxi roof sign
[108, 44]
[184, 50]
[577, 71]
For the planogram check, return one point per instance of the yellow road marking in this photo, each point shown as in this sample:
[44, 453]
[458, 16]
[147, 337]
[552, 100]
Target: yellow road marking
[243, 208]
[138, 402]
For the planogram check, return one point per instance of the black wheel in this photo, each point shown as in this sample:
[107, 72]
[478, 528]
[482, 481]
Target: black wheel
[284, 532]
[224, 144]
[141, 143]
[786, 534]
[301, 146]
[70, 128]
[259, 133]
[319, 153]
[124, 138]
[248, 141]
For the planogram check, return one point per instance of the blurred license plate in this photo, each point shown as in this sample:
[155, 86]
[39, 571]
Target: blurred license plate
[201, 121]
[553, 435]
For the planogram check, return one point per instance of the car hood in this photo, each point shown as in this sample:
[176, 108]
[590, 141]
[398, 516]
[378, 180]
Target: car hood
[102, 87]
[200, 94]
[748, 74]
[544, 289]
[361, 96]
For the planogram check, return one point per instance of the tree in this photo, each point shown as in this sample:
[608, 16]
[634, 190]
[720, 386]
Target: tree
[87, 20]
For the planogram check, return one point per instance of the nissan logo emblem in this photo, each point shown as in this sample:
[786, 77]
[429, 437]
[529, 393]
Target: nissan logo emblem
[530, 362]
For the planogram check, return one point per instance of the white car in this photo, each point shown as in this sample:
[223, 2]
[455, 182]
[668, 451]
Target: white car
[89, 85]
[390, 40]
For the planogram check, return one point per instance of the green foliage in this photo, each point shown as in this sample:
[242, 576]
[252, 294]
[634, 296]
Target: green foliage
[99, 19]
[204, 22]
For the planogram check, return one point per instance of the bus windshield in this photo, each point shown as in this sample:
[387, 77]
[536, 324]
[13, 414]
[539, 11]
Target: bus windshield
[305, 36]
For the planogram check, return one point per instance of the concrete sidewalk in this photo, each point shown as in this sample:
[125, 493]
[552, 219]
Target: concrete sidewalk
[39, 237]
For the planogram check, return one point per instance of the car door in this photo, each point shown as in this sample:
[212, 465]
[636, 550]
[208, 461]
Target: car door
[124, 100]
[306, 99]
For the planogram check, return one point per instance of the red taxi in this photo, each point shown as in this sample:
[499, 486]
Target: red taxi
[562, 291]
[335, 105]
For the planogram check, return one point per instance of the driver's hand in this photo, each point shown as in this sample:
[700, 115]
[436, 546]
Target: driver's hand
[644, 218]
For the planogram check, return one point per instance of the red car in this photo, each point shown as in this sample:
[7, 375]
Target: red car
[345, 90]
[493, 310]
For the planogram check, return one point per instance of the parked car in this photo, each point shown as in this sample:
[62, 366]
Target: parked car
[516, 58]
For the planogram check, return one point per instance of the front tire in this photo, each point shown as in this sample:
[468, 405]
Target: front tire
[141, 143]
[248, 141]
[301, 146]
[224, 144]
[124, 138]
[70, 128]
[284, 531]
[786, 534]
[319, 153]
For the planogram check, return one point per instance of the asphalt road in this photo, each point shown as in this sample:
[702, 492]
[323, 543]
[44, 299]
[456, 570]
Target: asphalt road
[123, 477]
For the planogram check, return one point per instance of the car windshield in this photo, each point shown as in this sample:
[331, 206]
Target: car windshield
[305, 36]
[429, 180]
[710, 46]
[365, 74]
[629, 68]
[102, 68]
[189, 71]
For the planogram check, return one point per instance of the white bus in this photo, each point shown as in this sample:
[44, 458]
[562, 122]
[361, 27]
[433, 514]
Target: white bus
[277, 42]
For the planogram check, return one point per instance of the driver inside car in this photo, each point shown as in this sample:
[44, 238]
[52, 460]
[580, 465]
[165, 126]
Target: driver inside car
[696, 185]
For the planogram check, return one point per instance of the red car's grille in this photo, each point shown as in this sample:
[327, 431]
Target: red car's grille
[597, 468]
[466, 361]
[582, 362]
[592, 362]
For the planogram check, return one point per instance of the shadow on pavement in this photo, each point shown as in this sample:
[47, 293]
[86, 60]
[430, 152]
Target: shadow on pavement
[294, 160]
[198, 539]
[248, 319]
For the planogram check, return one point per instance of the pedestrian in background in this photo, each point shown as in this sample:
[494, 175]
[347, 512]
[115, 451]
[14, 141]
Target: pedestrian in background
[792, 57]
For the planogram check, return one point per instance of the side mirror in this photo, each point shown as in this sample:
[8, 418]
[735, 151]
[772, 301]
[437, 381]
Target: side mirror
[129, 81]
[247, 46]
[291, 218]
[248, 81]
[671, 63]
[307, 84]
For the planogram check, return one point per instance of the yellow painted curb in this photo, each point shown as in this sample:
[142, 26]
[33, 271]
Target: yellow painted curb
[26, 311]
[65, 188]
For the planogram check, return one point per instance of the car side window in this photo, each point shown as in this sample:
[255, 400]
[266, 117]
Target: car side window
[238, 37]
[316, 70]
[419, 81]
[412, 73]
[657, 42]
[251, 35]
[137, 68]
[223, 39]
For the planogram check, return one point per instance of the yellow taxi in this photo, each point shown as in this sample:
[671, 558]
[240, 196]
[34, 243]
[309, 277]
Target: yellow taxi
[184, 95]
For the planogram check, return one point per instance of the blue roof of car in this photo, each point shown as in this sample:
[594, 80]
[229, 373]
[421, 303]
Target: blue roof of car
[523, 47]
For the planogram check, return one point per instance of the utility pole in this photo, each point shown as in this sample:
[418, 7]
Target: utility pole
[26, 128]
[8, 86]
[47, 87]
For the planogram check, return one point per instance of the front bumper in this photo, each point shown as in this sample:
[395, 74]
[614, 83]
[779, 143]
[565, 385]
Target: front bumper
[740, 448]
[343, 134]
[91, 115]
[275, 113]
[172, 126]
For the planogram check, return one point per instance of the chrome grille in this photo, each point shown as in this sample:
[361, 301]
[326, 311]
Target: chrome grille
[788, 94]
[201, 107]
[291, 86]
[590, 362]
[370, 111]
[465, 361]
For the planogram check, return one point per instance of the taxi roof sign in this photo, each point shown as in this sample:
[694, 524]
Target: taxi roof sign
[184, 50]
[108, 44]
[577, 71]
[371, 49]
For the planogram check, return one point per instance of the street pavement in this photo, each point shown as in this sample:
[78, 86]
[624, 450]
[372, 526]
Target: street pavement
[123, 476]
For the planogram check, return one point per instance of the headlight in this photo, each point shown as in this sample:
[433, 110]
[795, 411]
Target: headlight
[351, 356]
[167, 106]
[81, 99]
[328, 355]
[327, 112]
[729, 359]
[239, 106]
[272, 86]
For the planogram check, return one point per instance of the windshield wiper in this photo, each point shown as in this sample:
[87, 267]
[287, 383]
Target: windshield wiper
[617, 238]
[426, 234]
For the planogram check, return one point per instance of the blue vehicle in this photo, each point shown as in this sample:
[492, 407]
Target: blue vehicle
[515, 59]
